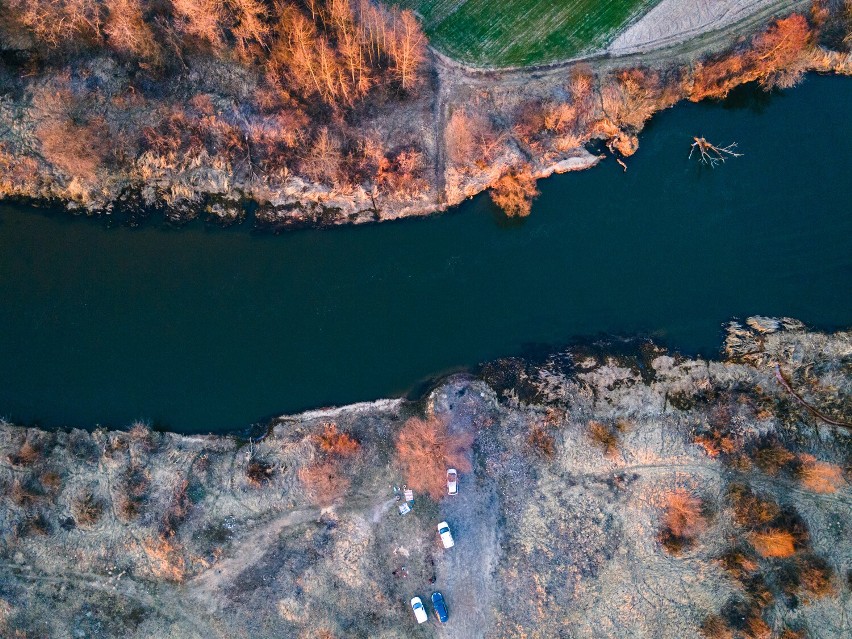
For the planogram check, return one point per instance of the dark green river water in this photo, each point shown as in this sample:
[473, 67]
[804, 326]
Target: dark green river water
[204, 329]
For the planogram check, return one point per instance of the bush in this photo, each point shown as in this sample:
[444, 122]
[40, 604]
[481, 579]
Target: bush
[541, 441]
[86, 508]
[426, 449]
[27, 455]
[133, 493]
[773, 543]
[259, 472]
[749, 509]
[604, 436]
[714, 627]
[682, 521]
[515, 192]
[771, 457]
[336, 444]
[820, 476]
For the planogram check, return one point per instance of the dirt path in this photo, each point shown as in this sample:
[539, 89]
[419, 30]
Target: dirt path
[466, 573]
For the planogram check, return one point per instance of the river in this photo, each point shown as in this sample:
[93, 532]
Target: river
[204, 329]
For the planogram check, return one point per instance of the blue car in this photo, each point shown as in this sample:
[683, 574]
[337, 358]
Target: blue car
[440, 606]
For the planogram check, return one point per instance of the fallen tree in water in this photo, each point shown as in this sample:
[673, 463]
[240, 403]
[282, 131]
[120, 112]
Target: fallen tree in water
[712, 154]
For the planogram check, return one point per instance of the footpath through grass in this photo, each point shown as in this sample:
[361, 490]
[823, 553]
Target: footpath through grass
[500, 33]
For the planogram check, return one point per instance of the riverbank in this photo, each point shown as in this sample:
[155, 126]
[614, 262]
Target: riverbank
[462, 132]
[586, 478]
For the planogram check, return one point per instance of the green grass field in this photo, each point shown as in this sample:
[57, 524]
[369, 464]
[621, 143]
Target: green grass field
[500, 33]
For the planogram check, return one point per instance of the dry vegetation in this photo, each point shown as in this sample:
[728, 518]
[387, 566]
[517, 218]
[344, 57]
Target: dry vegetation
[323, 111]
[585, 509]
[426, 449]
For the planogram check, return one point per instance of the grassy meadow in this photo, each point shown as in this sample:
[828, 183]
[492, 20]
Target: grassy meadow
[500, 33]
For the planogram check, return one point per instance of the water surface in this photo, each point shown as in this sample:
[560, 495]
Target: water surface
[204, 329]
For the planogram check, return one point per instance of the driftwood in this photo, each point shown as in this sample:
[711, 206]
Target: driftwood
[712, 154]
[783, 381]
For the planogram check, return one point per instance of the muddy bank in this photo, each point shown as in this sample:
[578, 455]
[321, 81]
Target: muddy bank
[590, 483]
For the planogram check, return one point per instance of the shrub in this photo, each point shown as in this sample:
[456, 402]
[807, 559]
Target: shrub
[771, 457]
[51, 481]
[426, 449]
[773, 543]
[815, 576]
[820, 476]
[324, 482]
[682, 521]
[259, 472]
[515, 192]
[604, 436]
[739, 563]
[77, 150]
[176, 511]
[86, 508]
[749, 509]
[27, 455]
[133, 492]
[714, 627]
[336, 444]
[541, 441]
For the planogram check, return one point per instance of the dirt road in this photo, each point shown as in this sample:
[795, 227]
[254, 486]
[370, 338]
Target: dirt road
[465, 572]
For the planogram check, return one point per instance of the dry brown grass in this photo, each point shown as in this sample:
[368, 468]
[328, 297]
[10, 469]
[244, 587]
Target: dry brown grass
[165, 558]
[773, 543]
[324, 482]
[819, 476]
[77, 150]
[426, 449]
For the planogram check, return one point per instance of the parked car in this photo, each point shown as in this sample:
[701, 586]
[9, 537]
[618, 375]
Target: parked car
[446, 535]
[452, 481]
[419, 610]
[440, 606]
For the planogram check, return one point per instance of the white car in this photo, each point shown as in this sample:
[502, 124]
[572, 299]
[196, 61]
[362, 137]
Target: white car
[419, 610]
[446, 535]
[452, 481]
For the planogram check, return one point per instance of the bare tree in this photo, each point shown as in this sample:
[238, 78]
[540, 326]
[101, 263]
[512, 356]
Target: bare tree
[711, 154]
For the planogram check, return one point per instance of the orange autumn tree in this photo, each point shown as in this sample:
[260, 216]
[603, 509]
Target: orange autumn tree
[327, 480]
[426, 449]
